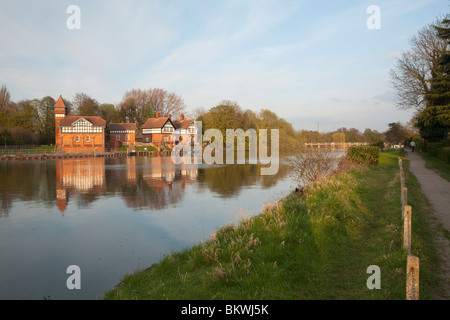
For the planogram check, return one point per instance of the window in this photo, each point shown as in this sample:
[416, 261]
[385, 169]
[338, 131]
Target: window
[88, 139]
[77, 138]
[127, 137]
[146, 139]
[117, 137]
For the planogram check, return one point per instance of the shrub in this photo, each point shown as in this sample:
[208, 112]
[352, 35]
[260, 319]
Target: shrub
[364, 154]
[440, 150]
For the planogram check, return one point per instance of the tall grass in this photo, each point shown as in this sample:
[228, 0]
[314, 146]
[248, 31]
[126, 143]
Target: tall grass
[317, 246]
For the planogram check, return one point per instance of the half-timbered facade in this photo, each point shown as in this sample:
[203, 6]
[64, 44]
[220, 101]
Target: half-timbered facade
[164, 130]
[186, 131]
[158, 130]
[78, 134]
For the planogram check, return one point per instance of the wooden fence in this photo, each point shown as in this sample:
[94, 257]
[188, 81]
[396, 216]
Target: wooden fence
[412, 263]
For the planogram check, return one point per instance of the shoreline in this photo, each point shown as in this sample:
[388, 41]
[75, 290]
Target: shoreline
[44, 156]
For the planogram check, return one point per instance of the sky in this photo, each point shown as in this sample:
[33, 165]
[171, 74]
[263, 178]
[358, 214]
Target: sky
[318, 64]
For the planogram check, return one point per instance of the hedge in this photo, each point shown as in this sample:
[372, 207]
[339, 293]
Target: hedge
[364, 154]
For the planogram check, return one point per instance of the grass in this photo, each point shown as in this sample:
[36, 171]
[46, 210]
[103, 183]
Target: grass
[317, 246]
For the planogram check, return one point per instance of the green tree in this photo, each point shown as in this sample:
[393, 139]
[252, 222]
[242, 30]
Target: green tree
[373, 136]
[396, 133]
[338, 137]
[85, 105]
[434, 121]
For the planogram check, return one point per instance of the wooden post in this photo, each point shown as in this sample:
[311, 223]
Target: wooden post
[407, 229]
[404, 200]
[412, 278]
[402, 175]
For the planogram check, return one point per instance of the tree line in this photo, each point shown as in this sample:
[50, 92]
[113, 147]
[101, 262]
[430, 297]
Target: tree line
[31, 121]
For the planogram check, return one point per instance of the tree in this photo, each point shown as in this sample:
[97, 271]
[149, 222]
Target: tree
[137, 106]
[412, 72]
[85, 105]
[373, 136]
[4, 100]
[338, 137]
[396, 133]
[166, 102]
[434, 121]
[107, 111]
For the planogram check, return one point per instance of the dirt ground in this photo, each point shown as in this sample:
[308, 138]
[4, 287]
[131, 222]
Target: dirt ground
[437, 190]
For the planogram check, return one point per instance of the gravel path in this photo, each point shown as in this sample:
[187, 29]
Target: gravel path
[437, 191]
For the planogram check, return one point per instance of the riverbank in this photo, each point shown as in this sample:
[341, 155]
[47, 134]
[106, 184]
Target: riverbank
[317, 246]
[45, 156]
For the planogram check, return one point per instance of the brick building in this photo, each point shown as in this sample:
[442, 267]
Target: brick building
[78, 134]
[121, 134]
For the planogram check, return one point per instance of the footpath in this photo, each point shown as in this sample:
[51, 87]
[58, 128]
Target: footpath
[437, 191]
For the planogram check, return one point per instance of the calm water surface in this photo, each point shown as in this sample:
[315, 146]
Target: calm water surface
[113, 216]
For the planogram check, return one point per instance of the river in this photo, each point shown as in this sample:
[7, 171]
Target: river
[113, 216]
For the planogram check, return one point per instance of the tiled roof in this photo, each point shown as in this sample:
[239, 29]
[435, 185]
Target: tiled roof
[59, 103]
[183, 124]
[122, 126]
[160, 122]
[155, 122]
[95, 120]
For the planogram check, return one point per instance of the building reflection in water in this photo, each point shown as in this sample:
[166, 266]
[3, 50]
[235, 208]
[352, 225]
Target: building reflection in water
[78, 176]
[143, 182]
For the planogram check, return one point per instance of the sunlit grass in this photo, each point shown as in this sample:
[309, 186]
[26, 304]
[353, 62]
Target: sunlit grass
[317, 246]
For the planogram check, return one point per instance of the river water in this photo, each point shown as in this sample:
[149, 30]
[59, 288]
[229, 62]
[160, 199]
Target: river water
[113, 216]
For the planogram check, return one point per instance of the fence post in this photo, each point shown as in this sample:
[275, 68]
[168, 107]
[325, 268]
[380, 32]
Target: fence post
[404, 196]
[402, 175]
[407, 228]
[412, 278]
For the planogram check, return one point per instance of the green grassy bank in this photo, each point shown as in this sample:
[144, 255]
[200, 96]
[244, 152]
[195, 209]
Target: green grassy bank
[317, 246]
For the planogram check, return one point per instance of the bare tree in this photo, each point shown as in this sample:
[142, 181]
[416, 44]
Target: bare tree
[147, 102]
[4, 99]
[309, 165]
[85, 105]
[166, 102]
[412, 72]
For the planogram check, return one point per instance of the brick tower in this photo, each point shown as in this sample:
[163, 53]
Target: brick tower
[60, 112]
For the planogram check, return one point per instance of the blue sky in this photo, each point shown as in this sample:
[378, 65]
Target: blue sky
[314, 63]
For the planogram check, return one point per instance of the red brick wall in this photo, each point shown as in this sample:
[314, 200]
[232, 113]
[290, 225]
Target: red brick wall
[113, 141]
[69, 145]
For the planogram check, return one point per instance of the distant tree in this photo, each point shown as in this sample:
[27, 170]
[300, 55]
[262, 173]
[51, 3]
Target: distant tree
[84, 105]
[396, 133]
[136, 106]
[338, 137]
[107, 111]
[45, 123]
[4, 100]
[373, 136]
[166, 102]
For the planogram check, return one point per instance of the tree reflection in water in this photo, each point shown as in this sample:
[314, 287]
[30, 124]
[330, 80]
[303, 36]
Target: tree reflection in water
[143, 182]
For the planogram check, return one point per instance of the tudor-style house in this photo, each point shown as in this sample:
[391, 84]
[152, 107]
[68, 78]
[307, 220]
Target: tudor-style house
[78, 134]
[186, 130]
[121, 134]
[158, 130]
[162, 130]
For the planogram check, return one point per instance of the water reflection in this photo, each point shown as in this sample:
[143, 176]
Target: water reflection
[142, 182]
[113, 216]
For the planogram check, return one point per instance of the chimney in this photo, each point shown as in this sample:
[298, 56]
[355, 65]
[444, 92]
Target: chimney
[170, 116]
[181, 117]
[158, 114]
